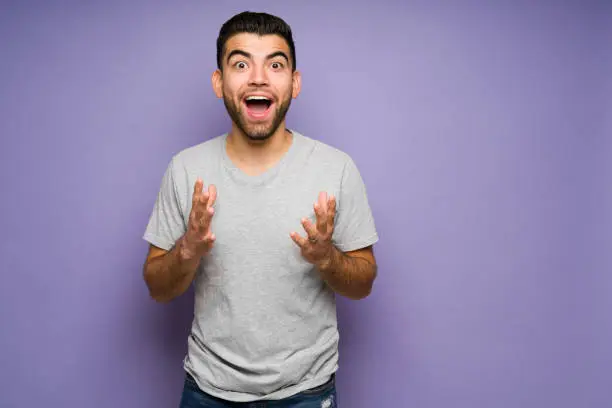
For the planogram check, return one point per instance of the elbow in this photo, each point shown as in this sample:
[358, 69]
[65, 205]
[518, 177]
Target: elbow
[365, 289]
[159, 296]
[155, 293]
[361, 294]
[358, 296]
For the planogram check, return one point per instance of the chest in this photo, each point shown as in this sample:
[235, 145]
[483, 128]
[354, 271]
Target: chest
[252, 226]
[264, 217]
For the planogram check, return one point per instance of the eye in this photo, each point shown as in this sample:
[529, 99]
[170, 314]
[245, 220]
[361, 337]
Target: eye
[277, 65]
[240, 65]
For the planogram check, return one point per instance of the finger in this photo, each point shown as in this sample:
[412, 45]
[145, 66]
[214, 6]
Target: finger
[210, 238]
[204, 222]
[309, 228]
[204, 198]
[200, 196]
[197, 212]
[331, 213]
[197, 191]
[323, 201]
[207, 242]
[298, 239]
[201, 216]
[321, 218]
[212, 195]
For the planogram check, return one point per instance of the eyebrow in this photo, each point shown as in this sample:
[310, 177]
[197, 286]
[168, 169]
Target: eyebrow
[249, 56]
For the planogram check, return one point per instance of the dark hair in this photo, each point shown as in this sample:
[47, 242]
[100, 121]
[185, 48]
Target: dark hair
[254, 23]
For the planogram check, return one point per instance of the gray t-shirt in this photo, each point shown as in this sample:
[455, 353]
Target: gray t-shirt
[264, 322]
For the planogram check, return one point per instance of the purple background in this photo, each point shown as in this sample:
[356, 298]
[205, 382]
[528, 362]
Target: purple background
[483, 132]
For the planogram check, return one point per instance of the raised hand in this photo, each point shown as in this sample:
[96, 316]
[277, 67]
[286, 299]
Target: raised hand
[199, 239]
[317, 247]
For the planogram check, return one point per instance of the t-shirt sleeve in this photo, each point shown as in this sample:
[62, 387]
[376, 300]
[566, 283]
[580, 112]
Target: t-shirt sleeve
[354, 224]
[166, 223]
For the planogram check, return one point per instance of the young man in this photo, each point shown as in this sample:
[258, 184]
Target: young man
[269, 225]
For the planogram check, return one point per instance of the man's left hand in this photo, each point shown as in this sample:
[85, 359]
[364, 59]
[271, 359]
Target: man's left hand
[317, 247]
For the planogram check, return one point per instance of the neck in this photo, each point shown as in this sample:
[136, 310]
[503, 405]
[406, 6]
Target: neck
[258, 153]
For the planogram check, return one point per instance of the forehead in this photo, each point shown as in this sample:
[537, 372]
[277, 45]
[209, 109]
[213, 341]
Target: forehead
[256, 45]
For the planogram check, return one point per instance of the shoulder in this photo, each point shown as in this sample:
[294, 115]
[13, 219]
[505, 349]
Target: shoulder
[326, 154]
[199, 154]
[194, 161]
[333, 163]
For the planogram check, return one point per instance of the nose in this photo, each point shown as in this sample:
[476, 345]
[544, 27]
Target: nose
[258, 76]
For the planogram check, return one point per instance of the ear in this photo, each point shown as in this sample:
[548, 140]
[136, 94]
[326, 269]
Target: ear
[217, 83]
[297, 84]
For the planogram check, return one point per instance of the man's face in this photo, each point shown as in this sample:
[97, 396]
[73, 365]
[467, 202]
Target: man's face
[257, 83]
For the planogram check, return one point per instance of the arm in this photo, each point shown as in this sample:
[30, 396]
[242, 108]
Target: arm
[350, 274]
[168, 274]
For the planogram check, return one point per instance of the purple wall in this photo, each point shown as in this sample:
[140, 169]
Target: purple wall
[483, 132]
[598, 259]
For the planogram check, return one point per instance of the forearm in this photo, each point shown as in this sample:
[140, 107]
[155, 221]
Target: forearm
[350, 276]
[168, 276]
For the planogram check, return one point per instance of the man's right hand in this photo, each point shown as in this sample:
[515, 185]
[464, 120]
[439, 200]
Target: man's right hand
[199, 239]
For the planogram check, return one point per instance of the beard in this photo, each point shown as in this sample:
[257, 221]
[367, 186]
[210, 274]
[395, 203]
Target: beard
[257, 132]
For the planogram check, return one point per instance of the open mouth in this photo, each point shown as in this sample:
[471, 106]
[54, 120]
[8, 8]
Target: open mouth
[257, 106]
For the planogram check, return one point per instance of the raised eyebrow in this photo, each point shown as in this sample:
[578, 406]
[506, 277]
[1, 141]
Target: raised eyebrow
[237, 52]
[249, 56]
[278, 54]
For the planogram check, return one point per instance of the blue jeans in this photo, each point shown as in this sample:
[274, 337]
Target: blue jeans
[323, 396]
